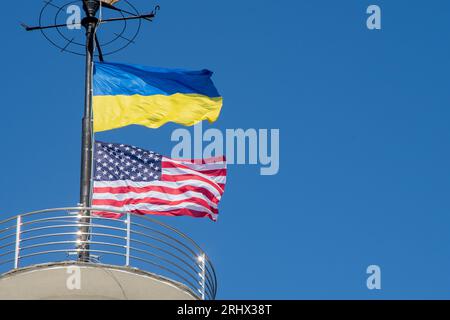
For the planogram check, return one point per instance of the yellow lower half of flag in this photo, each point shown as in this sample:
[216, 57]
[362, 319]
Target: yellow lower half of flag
[118, 111]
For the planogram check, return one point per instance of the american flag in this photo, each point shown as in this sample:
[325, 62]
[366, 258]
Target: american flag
[130, 179]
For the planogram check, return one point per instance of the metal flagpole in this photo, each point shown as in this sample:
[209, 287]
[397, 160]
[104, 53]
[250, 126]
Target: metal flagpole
[90, 23]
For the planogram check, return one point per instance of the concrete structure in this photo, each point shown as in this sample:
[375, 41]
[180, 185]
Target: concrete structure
[133, 257]
[97, 282]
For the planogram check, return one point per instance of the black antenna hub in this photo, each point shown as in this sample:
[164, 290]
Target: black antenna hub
[91, 20]
[116, 27]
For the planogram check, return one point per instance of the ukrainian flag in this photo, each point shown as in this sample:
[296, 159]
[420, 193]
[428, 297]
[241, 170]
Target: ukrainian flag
[127, 94]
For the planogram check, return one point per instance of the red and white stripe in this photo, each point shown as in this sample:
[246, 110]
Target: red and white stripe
[191, 188]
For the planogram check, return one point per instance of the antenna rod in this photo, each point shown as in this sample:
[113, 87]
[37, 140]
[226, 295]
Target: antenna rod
[90, 23]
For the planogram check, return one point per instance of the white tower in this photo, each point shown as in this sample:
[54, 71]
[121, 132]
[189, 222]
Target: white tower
[133, 257]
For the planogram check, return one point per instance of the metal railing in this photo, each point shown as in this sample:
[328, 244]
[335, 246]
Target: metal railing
[129, 240]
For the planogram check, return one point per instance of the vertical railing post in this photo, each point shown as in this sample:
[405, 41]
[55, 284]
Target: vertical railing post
[127, 254]
[202, 265]
[17, 250]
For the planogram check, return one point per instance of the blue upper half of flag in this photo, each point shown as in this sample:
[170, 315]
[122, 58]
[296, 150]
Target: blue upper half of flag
[126, 79]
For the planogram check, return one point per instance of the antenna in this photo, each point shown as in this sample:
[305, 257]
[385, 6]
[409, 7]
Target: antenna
[92, 42]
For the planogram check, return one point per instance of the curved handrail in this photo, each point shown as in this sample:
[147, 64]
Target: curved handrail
[137, 241]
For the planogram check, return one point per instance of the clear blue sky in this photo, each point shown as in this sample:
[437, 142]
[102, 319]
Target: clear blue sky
[364, 123]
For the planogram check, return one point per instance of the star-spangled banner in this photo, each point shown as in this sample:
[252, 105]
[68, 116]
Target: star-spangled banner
[131, 179]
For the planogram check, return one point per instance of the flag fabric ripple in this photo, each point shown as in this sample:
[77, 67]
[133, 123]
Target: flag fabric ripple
[127, 178]
[126, 94]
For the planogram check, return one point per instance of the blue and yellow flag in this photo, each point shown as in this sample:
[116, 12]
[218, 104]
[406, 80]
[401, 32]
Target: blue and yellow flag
[131, 94]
